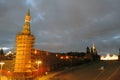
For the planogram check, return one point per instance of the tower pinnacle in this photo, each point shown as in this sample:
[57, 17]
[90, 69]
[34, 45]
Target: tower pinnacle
[27, 18]
[93, 46]
[94, 49]
[26, 26]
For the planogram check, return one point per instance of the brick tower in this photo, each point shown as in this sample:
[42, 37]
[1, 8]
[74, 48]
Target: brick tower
[23, 48]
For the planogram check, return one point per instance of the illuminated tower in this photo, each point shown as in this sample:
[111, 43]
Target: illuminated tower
[23, 47]
[93, 50]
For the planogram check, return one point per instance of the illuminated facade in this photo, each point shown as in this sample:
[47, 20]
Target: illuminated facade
[23, 47]
[109, 57]
[93, 50]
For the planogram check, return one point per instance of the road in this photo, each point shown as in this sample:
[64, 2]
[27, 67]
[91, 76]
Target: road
[91, 71]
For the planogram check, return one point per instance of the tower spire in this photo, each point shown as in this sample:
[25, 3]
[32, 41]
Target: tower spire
[94, 50]
[27, 18]
[26, 26]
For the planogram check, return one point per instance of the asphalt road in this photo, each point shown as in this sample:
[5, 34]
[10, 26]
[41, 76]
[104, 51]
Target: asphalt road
[91, 71]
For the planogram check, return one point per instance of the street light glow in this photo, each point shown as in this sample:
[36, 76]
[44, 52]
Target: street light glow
[1, 63]
[38, 62]
[38, 65]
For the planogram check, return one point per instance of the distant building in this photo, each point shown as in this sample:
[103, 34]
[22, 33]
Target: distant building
[93, 50]
[119, 51]
[109, 57]
[88, 50]
[23, 48]
[91, 54]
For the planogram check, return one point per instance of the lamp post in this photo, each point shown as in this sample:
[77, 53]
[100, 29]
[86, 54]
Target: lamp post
[38, 65]
[1, 64]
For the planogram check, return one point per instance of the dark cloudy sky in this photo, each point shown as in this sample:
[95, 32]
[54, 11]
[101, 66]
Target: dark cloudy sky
[63, 25]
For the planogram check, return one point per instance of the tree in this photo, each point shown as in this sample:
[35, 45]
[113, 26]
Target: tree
[1, 52]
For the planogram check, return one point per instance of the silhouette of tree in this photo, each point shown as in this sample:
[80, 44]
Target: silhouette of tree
[1, 52]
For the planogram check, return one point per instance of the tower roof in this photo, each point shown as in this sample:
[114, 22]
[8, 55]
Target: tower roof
[27, 18]
[93, 46]
[26, 26]
[28, 12]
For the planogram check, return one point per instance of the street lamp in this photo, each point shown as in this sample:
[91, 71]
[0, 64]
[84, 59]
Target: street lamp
[1, 64]
[38, 65]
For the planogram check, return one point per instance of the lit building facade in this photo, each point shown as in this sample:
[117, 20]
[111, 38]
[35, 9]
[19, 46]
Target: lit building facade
[23, 47]
[94, 50]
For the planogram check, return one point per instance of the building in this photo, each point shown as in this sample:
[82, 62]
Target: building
[91, 55]
[23, 48]
[94, 50]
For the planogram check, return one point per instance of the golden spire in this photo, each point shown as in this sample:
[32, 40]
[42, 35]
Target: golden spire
[27, 18]
[26, 26]
[93, 46]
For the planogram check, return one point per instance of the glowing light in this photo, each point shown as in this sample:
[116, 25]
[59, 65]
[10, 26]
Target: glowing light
[67, 57]
[93, 46]
[109, 57]
[56, 55]
[1, 63]
[35, 52]
[61, 57]
[38, 62]
[46, 73]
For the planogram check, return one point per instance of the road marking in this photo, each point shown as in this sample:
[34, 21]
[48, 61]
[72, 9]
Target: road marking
[113, 73]
[98, 75]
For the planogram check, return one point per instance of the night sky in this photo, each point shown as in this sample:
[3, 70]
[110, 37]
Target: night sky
[63, 25]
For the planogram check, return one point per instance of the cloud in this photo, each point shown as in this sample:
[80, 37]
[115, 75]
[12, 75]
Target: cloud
[63, 25]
